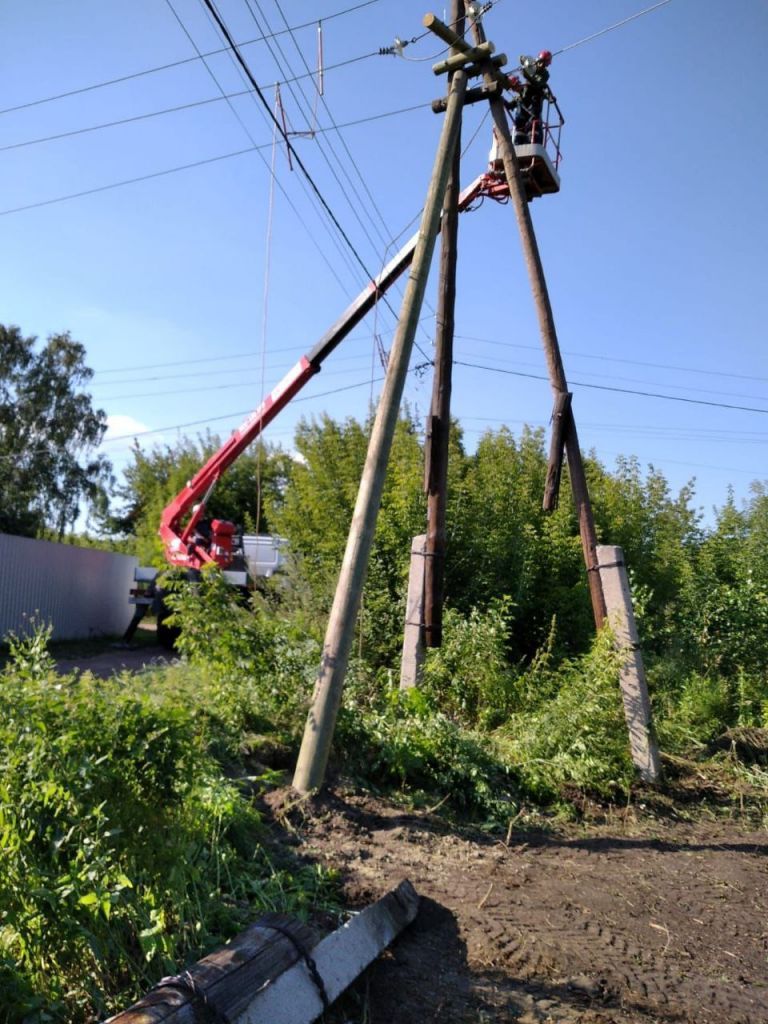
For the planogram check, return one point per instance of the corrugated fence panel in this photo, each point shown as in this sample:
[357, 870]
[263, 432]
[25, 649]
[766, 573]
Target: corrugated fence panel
[81, 591]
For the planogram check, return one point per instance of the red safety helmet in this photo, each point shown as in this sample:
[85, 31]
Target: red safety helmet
[545, 57]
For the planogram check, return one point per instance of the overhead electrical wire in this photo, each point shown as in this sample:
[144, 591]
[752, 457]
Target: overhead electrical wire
[336, 128]
[271, 122]
[615, 359]
[255, 147]
[178, 168]
[386, 238]
[210, 5]
[232, 415]
[188, 60]
[358, 207]
[623, 391]
[183, 167]
[458, 337]
[257, 89]
[651, 383]
[610, 28]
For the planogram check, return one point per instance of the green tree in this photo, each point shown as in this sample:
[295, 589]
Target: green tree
[49, 433]
[660, 535]
[315, 512]
[502, 543]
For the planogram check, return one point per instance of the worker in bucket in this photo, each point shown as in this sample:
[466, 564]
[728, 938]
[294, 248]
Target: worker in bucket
[529, 103]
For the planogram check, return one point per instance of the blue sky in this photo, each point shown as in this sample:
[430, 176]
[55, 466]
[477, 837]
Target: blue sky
[195, 291]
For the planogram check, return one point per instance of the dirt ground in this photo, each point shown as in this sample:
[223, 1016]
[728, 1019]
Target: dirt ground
[641, 920]
[110, 662]
[105, 659]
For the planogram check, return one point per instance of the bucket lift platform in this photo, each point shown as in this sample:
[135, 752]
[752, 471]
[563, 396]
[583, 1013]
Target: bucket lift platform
[539, 159]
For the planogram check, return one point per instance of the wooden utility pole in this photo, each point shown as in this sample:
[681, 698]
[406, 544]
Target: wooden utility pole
[548, 335]
[438, 433]
[321, 721]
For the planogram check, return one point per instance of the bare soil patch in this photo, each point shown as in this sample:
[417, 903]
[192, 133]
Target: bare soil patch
[108, 658]
[640, 920]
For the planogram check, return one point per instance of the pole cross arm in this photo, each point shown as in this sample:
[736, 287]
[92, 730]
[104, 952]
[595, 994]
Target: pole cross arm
[444, 32]
[460, 60]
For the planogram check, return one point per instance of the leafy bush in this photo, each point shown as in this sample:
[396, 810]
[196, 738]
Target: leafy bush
[405, 743]
[124, 849]
[469, 677]
[577, 737]
[259, 668]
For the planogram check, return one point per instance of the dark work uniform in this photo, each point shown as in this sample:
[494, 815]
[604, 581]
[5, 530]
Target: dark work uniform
[530, 103]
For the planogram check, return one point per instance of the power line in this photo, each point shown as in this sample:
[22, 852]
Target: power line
[126, 181]
[185, 60]
[651, 383]
[179, 167]
[232, 415]
[208, 374]
[610, 28]
[201, 103]
[269, 167]
[623, 391]
[292, 149]
[615, 359]
[357, 207]
[459, 337]
[257, 89]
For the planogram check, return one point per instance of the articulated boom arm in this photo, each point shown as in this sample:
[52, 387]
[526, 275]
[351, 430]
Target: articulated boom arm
[182, 545]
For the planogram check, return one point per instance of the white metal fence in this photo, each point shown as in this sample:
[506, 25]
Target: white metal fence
[80, 591]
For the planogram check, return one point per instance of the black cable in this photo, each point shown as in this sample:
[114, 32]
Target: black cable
[186, 60]
[126, 181]
[257, 89]
[352, 160]
[622, 391]
[249, 74]
[249, 136]
[356, 207]
[215, 419]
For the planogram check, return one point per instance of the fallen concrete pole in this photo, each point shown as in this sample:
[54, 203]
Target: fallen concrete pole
[277, 970]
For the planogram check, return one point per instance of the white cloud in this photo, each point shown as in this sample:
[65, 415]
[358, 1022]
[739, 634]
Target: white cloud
[119, 426]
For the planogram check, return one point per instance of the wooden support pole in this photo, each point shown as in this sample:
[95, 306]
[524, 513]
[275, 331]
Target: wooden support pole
[227, 978]
[262, 975]
[549, 339]
[321, 720]
[339, 958]
[560, 415]
[634, 688]
[438, 435]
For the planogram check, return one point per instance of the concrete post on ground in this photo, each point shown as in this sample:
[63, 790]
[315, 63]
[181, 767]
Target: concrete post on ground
[413, 635]
[634, 689]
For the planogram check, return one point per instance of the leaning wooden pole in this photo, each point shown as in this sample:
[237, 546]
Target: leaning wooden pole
[321, 721]
[436, 469]
[549, 338]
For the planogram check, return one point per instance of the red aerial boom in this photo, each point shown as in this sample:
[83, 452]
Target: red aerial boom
[190, 540]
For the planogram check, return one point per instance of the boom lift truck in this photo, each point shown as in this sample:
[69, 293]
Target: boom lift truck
[190, 540]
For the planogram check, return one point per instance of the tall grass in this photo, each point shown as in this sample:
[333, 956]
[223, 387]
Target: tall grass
[125, 848]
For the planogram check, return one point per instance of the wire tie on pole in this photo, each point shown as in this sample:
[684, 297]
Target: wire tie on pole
[186, 983]
[303, 952]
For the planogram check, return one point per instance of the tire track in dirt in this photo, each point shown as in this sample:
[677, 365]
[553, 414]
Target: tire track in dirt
[577, 926]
